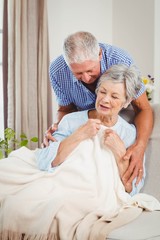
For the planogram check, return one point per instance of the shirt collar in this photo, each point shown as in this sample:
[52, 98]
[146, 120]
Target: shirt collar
[103, 64]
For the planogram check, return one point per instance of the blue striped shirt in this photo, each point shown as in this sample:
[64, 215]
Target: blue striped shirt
[69, 90]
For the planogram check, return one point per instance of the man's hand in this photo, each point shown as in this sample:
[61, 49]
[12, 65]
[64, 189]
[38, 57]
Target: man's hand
[48, 135]
[135, 154]
[61, 112]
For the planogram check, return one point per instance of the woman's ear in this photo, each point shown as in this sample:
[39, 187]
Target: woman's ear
[127, 103]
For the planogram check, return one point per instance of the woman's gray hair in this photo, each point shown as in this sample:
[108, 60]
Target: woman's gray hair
[121, 73]
[80, 47]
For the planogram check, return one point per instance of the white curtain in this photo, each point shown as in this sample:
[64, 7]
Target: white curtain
[29, 91]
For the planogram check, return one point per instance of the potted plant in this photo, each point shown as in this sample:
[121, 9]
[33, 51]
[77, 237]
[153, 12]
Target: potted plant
[10, 142]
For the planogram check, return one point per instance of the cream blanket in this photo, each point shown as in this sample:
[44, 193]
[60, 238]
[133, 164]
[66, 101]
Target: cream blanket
[83, 199]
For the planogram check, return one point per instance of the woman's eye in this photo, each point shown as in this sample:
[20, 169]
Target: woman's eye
[102, 92]
[114, 97]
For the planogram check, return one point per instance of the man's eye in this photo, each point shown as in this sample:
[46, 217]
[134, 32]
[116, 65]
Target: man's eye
[78, 74]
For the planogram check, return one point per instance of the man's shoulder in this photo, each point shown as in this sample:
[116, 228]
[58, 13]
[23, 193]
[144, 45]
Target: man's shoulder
[58, 64]
[114, 52]
[112, 48]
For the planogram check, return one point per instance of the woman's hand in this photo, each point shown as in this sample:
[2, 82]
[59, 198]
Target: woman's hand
[89, 129]
[116, 145]
[114, 142]
[86, 131]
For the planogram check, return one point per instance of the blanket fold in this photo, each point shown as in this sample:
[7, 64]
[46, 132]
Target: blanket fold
[83, 199]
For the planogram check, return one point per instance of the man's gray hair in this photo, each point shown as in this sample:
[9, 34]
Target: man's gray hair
[129, 75]
[79, 47]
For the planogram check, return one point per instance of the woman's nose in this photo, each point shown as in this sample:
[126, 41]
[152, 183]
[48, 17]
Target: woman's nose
[106, 98]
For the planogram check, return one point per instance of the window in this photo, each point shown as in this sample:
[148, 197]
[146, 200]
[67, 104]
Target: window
[1, 78]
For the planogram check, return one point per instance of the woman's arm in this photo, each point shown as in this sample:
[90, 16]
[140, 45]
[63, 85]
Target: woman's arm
[86, 131]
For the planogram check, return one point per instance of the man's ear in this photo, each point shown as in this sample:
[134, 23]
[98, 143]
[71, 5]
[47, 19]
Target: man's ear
[100, 54]
[127, 103]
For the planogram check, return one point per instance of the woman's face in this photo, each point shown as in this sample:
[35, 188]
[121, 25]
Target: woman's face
[111, 98]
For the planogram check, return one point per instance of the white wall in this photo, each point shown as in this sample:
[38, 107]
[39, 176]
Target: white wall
[136, 29]
[133, 30]
[157, 51]
[1, 82]
[69, 16]
[132, 25]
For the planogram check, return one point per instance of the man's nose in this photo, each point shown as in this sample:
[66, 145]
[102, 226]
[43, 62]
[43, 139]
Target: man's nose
[86, 77]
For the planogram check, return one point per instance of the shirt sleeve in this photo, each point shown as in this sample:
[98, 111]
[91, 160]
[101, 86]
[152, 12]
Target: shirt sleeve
[45, 156]
[141, 91]
[59, 74]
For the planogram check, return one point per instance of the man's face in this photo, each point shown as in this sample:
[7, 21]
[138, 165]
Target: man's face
[87, 72]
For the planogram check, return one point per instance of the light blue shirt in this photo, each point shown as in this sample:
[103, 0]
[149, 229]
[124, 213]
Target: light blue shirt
[68, 125]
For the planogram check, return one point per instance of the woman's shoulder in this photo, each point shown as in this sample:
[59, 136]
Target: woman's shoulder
[126, 131]
[76, 115]
[74, 120]
[126, 124]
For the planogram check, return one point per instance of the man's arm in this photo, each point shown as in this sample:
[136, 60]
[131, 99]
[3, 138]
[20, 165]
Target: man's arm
[62, 110]
[135, 153]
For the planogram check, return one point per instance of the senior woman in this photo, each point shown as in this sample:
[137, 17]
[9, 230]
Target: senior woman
[115, 90]
[79, 193]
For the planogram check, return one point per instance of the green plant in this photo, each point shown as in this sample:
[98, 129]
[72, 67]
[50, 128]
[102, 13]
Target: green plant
[10, 142]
